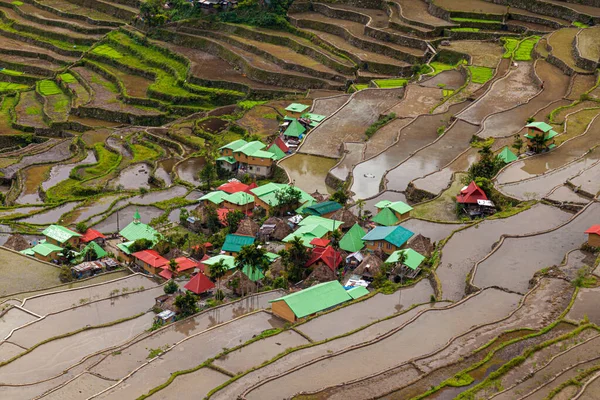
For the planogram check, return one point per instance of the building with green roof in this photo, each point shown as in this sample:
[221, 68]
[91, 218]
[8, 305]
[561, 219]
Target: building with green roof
[330, 224]
[315, 119]
[387, 238]
[399, 209]
[248, 158]
[296, 108]
[229, 262]
[310, 301]
[307, 233]
[254, 274]
[240, 201]
[266, 195]
[410, 267]
[234, 243]
[277, 152]
[352, 240]
[540, 136]
[324, 209]
[358, 292]
[234, 145]
[46, 251]
[60, 236]
[295, 130]
[215, 198]
[385, 217]
[137, 230]
[507, 156]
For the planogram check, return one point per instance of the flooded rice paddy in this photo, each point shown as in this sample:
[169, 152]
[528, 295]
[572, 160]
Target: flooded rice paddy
[192, 386]
[84, 386]
[12, 319]
[133, 177]
[164, 169]
[57, 153]
[95, 207]
[121, 218]
[328, 105]
[188, 170]
[61, 172]
[432, 230]
[352, 156]
[586, 305]
[308, 172]
[51, 216]
[565, 194]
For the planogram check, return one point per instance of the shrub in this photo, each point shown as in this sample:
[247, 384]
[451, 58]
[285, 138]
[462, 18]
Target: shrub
[171, 287]
[384, 119]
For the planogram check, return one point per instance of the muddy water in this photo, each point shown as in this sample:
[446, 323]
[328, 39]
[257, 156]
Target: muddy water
[586, 304]
[243, 359]
[189, 169]
[581, 84]
[329, 105]
[54, 302]
[380, 306]
[434, 157]
[12, 319]
[82, 387]
[121, 218]
[449, 79]
[423, 335]
[589, 180]
[576, 260]
[439, 181]
[32, 178]
[566, 194]
[385, 137]
[154, 196]
[59, 173]
[50, 359]
[95, 207]
[192, 353]
[515, 262]
[191, 386]
[164, 169]
[136, 354]
[417, 100]
[51, 216]
[367, 175]
[432, 230]
[213, 125]
[133, 177]
[308, 172]
[93, 314]
[352, 156]
[509, 122]
[457, 259]
[57, 153]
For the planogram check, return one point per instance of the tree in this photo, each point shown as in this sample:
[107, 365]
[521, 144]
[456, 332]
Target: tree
[233, 220]
[253, 257]
[173, 266]
[360, 204]
[336, 236]
[288, 197]
[218, 271]
[401, 260]
[208, 174]
[517, 144]
[171, 287]
[91, 254]
[68, 252]
[487, 166]
[187, 304]
[183, 215]
[295, 259]
[140, 244]
[340, 196]
[81, 227]
[65, 274]
[538, 142]
[212, 219]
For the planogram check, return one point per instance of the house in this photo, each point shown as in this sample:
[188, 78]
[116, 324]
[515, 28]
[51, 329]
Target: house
[247, 227]
[281, 144]
[137, 230]
[307, 234]
[346, 216]
[325, 209]
[310, 301]
[86, 269]
[228, 260]
[540, 137]
[227, 161]
[234, 186]
[421, 244]
[265, 196]
[593, 236]
[199, 284]
[295, 131]
[245, 281]
[352, 240]
[150, 261]
[234, 243]
[474, 201]
[391, 213]
[507, 156]
[276, 151]
[124, 251]
[354, 259]
[409, 268]
[318, 242]
[296, 108]
[239, 201]
[213, 198]
[324, 262]
[369, 267]
[253, 160]
[166, 302]
[165, 317]
[92, 235]
[100, 252]
[45, 251]
[185, 265]
[314, 119]
[387, 238]
[274, 229]
[60, 236]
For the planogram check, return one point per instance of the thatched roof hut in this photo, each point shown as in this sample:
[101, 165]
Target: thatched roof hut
[319, 197]
[274, 229]
[240, 284]
[247, 227]
[369, 267]
[276, 269]
[346, 216]
[321, 273]
[17, 242]
[422, 245]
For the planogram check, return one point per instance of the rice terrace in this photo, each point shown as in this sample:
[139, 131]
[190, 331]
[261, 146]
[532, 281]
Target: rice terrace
[299, 199]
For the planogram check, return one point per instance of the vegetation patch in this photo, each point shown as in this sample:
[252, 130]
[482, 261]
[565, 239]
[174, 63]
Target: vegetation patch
[440, 67]
[391, 83]
[48, 88]
[249, 104]
[145, 152]
[480, 74]
[523, 52]
[510, 44]
[580, 25]
[10, 72]
[479, 21]
[67, 78]
[17, 3]
[465, 29]
[375, 126]
[7, 86]
[108, 51]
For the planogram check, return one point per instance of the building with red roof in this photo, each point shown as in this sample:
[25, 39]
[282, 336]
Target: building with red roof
[470, 194]
[92, 235]
[222, 213]
[317, 242]
[281, 144]
[594, 236]
[234, 187]
[199, 284]
[325, 255]
[150, 260]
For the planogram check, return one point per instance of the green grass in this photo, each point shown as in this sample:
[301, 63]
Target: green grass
[6, 86]
[108, 51]
[480, 21]
[106, 84]
[67, 78]
[33, 110]
[580, 24]
[465, 29]
[523, 52]
[440, 67]
[10, 72]
[48, 88]
[107, 160]
[61, 106]
[510, 45]
[145, 152]
[17, 3]
[249, 104]
[480, 74]
[390, 83]
[447, 92]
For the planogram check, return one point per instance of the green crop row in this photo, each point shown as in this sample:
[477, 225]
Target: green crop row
[510, 44]
[480, 21]
[390, 83]
[480, 74]
[10, 72]
[145, 151]
[106, 50]
[48, 88]
[67, 78]
[523, 52]
[6, 86]
[465, 29]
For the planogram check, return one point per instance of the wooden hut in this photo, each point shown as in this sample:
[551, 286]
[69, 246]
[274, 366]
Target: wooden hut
[421, 245]
[347, 217]
[248, 227]
[369, 267]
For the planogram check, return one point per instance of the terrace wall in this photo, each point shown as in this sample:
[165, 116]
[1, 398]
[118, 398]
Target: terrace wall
[73, 16]
[580, 61]
[553, 10]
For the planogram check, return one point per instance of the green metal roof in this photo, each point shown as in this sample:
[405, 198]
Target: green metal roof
[250, 148]
[45, 249]
[59, 233]
[139, 230]
[227, 159]
[506, 155]
[329, 224]
[228, 260]
[296, 107]
[137, 215]
[272, 256]
[399, 206]
[234, 243]
[268, 193]
[542, 126]
[100, 252]
[316, 298]
[276, 151]
[314, 117]
[253, 275]
[294, 129]
[413, 259]
[352, 240]
[323, 208]
[263, 154]
[385, 217]
[234, 145]
[124, 247]
[27, 252]
[309, 203]
[239, 198]
[307, 234]
[214, 197]
[358, 292]
[395, 235]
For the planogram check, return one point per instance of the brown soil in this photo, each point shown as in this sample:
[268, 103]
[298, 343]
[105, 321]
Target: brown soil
[29, 111]
[417, 100]
[562, 46]
[12, 44]
[449, 79]
[31, 61]
[483, 54]
[480, 6]
[135, 85]
[31, 9]
[65, 6]
[416, 10]
[582, 8]
[385, 137]
[589, 43]
[581, 84]
[256, 123]
[327, 106]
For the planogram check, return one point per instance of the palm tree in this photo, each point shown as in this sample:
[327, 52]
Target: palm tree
[400, 263]
[360, 203]
[218, 271]
[173, 266]
[253, 257]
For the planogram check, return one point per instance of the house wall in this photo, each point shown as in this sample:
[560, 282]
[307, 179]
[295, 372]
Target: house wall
[244, 208]
[594, 240]
[124, 256]
[227, 166]
[226, 152]
[265, 162]
[74, 241]
[48, 258]
[146, 267]
[387, 247]
[259, 202]
[259, 170]
[282, 310]
[402, 217]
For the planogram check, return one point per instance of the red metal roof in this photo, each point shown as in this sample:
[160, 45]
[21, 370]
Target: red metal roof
[328, 255]
[595, 229]
[222, 213]
[166, 273]
[199, 284]
[320, 242]
[151, 257]
[184, 263]
[90, 235]
[281, 144]
[471, 194]
[233, 187]
[251, 186]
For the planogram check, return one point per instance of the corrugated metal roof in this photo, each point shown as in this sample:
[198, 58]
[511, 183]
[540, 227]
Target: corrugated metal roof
[506, 155]
[139, 230]
[234, 145]
[316, 298]
[322, 208]
[234, 243]
[215, 197]
[413, 259]
[239, 198]
[228, 260]
[59, 233]
[385, 217]
[295, 129]
[296, 107]
[250, 148]
[352, 240]
[45, 249]
[395, 235]
[358, 292]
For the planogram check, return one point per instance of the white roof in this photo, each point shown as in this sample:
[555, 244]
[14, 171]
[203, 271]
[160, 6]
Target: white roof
[165, 314]
[486, 203]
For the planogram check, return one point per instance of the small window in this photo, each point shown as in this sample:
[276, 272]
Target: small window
[251, 168]
[388, 245]
[257, 169]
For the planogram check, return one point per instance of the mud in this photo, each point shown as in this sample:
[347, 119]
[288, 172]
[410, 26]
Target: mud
[308, 172]
[452, 79]
[328, 105]
[483, 54]
[418, 99]
[164, 169]
[586, 306]
[57, 153]
[32, 178]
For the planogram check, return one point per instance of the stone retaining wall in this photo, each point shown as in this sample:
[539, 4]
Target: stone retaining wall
[71, 15]
[580, 61]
